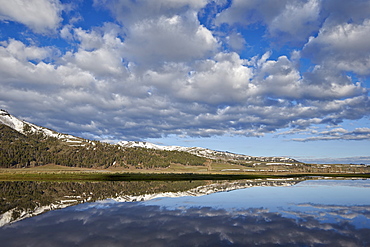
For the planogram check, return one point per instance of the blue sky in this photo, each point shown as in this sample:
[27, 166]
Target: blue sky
[264, 78]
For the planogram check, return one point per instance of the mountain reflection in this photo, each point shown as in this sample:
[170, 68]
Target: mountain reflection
[23, 199]
[266, 213]
[134, 224]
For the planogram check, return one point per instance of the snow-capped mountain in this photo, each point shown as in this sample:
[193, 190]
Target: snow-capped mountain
[26, 128]
[204, 152]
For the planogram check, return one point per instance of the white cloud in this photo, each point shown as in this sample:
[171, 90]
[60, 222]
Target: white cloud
[129, 12]
[65, 32]
[223, 79]
[236, 41]
[288, 20]
[214, 96]
[89, 40]
[342, 47]
[278, 78]
[24, 53]
[160, 72]
[99, 62]
[281, 79]
[326, 83]
[293, 20]
[339, 134]
[342, 11]
[169, 39]
[297, 21]
[15, 65]
[42, 16]
[162, 31]
[248, 12]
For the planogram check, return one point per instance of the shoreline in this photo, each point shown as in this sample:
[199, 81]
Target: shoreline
[94, 175]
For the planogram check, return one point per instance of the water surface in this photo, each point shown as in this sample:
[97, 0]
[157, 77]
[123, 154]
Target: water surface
[309, 213]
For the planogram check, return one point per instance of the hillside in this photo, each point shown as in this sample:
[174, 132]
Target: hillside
[24, 144]
[26, 128]
[28, 150]
[208, 153]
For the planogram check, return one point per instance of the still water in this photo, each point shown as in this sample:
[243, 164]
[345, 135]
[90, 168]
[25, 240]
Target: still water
[243, 213]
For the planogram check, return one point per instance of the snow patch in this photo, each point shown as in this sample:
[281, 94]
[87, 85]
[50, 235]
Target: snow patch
[24, 127]
[204, 152]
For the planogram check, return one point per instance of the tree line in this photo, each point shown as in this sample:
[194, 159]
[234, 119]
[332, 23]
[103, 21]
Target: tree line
[35, 149]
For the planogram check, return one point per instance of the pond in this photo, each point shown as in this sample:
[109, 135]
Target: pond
[293, 212]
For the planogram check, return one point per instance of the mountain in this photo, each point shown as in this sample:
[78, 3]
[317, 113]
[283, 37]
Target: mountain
[26, 128]
[207, 153]
[25, 144]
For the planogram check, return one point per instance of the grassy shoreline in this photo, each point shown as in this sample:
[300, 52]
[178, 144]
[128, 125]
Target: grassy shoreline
[142, 176]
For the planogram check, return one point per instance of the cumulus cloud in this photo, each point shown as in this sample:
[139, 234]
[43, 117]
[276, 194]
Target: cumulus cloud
[289, 20]
[129, 12]
[236, 41]
[297, 20]
[162, 31]
[98, 53]
[220, 80]
[223, 94]
[341, 12]
[169, 39]
[342, 47]
[17, 68]
[159, 71]
[42, 16]
[339, 134]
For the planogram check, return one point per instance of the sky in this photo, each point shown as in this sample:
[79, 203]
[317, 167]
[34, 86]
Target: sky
[262, 78]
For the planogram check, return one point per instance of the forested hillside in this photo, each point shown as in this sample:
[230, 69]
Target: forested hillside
[35, 149]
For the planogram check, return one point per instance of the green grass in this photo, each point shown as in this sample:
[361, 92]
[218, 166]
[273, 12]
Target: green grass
[84, 176]
[96, 176]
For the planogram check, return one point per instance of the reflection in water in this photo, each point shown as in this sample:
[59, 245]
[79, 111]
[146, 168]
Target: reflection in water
[308, 214]
[20, 200]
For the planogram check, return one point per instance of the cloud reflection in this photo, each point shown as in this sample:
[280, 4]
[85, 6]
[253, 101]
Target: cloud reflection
[358, 215]
[134, 224]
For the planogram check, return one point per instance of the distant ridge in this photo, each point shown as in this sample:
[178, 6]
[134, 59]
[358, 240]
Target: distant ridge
[25, 128]
[207, 153]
